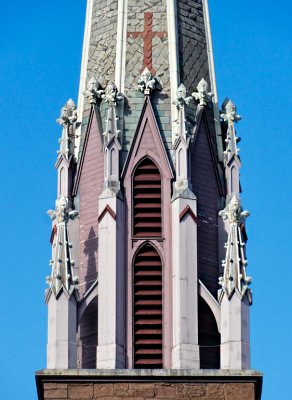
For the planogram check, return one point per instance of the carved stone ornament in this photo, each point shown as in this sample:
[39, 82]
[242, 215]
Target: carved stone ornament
[182, 99]
[112, 96]
[228, 113]
[68, 120]
[94, 91]
[62, 276]
[202, 96]
[62, 213]
[68, 114]
[148, 83]
[235, 262]
[233, 212]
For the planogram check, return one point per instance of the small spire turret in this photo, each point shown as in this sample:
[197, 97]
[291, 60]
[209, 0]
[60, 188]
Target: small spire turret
[181, 101]
[235, 262]
[112, 97]
[229, 116]
[68, 119]
[63, 275]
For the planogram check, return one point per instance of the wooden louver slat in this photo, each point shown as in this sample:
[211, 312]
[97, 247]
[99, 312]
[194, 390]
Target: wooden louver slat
[147, 200]
[147, 310]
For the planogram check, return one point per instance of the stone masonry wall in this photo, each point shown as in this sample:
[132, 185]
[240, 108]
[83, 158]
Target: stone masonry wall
[135, 57]
[147, 391]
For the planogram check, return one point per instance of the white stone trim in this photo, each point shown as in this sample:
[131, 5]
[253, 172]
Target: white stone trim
[111, 290]
[173, 60]
[213, 77]
[120, 71]
[235, 332]
[185, 350]
[212, 303]
[121, 45]
[83, 73]
[62, 322]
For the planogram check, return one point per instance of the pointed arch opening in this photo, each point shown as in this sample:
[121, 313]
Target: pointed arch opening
[87, 337]
[147, 309]
[147, 215]
[180, 165]
[62, 182]
[233, 182]
[209, 337]
[113, 171]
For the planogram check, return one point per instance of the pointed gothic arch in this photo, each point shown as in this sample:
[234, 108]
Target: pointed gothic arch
[147, 195]
[62, 178]
[147, 308]
[209, 337]
[87, 336]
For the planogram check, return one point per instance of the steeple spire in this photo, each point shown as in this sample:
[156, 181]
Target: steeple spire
[144, 167]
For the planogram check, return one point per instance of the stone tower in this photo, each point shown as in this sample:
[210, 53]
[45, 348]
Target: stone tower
[148, 281]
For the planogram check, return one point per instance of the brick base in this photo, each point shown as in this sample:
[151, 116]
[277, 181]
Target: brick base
[199, 385]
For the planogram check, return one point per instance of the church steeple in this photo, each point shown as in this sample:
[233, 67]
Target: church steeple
[144, 165]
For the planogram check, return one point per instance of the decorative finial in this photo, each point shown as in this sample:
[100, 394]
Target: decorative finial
[180, 101]
[181, 97]
[68, 120]
[235, 262]
[62, 275]
[62, 213]
[148, 83]
[228, 113]
[112, 96]
[68, 114]
[94, 91]
[202, 96]
[233, 212]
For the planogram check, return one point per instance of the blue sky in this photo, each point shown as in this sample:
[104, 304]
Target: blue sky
[40, 57]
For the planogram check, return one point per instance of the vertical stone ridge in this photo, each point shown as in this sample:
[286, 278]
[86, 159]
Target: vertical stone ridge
[101, 50]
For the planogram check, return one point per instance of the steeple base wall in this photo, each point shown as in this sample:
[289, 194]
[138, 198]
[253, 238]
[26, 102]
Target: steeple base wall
[149, 384]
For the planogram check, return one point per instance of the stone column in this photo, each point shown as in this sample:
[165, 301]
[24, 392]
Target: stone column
[185, 352]
[235, 336]
[111, 282]
[62, 322]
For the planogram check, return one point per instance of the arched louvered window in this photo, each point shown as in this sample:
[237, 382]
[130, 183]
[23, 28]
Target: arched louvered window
[147, 309]
[147, 220]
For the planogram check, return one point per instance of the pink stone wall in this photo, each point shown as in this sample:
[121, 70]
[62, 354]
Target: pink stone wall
[90, 188]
